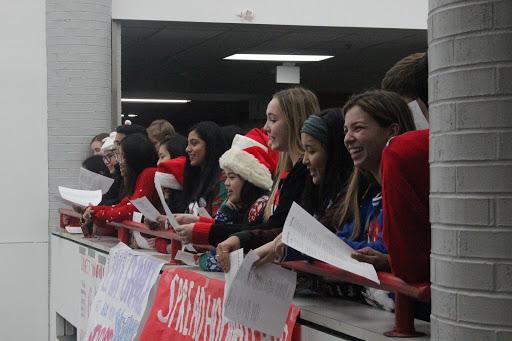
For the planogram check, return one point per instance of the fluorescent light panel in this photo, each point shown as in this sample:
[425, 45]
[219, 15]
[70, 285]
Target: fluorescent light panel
[154, 100]
[278, 57]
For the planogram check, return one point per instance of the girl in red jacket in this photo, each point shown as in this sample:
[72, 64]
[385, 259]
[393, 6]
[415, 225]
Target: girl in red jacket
[137, 160]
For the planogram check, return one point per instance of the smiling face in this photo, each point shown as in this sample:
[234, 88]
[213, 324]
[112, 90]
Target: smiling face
[365, 139]
[196, 149]
[110, 160]
[234, 184]
[122, 162]
[315, 157]
[163, 154]
[276, 127]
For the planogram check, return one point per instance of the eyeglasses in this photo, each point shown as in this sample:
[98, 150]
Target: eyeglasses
[109, 157]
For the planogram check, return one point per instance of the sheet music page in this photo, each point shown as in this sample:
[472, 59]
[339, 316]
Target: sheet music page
[80, 197]
[91, 181]
[235, 260]
[168, 213]
[146, 208]
[304, 233]
[260, 297]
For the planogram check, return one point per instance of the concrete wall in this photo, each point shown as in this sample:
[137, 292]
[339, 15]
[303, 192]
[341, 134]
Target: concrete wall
[79, 87]
[470, 57]
[350, 13]
[24, 180]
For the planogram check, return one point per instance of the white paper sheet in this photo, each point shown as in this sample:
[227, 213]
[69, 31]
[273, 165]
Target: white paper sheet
[73, 229]
[186, 257]
[141, 241]
[417, 115]
[146, 208]
[168, 213]
[91, 181]
[202, 212]
[80, 197]
[235, 260]
[188, 247]
[260, 298]
[137, 217]
[304, 233]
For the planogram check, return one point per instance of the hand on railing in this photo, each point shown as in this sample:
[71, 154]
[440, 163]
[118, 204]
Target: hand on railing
[378, 259]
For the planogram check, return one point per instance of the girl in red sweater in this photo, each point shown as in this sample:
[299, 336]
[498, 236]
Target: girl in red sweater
[137, 160]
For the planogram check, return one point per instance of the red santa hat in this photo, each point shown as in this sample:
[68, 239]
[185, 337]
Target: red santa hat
[251, 159]
[170, 173]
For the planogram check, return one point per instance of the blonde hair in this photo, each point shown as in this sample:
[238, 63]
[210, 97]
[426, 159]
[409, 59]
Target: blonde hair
[296, 104]
[386, 108]
[160, 129]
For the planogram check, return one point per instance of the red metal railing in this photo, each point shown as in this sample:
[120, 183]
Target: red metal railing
[406, 294]
[70, 217]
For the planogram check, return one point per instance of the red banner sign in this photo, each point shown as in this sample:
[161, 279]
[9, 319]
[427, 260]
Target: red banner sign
[188, 306]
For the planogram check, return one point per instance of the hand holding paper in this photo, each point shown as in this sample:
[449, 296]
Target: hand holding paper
[304, 233]
[260, 297]
[146, 208]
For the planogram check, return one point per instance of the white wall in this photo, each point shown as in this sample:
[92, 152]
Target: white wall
[24, 176]
[348, 13]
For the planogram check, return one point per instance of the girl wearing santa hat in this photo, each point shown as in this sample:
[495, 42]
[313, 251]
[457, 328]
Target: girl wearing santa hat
[286, 113]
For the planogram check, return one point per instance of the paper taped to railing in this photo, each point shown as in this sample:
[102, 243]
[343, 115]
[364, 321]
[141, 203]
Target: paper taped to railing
[91, 181]
[146, 208]
[305, 234]
[168, 213]
[80, 197]
[259, 298]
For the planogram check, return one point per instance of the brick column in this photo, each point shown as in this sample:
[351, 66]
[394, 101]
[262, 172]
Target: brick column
[470, 89]
[79, 86]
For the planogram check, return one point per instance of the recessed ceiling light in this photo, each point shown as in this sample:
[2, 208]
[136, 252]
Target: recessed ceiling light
[122, 115]
[278, 57]
[132, 115]
[154, 100]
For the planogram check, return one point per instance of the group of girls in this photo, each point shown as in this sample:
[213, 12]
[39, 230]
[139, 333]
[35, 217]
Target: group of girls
[327, 161]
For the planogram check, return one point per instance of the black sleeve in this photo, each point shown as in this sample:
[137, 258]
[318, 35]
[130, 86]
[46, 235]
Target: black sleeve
[291, 191]
[252, 239]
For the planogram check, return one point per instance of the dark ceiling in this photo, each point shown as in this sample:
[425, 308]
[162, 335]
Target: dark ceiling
[177, 59]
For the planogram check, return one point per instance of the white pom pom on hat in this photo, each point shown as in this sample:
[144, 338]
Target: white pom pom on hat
[251, 159]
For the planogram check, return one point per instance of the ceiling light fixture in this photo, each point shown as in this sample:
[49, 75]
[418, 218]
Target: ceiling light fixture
[278, 57]
[154, 100]
[133, 115]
